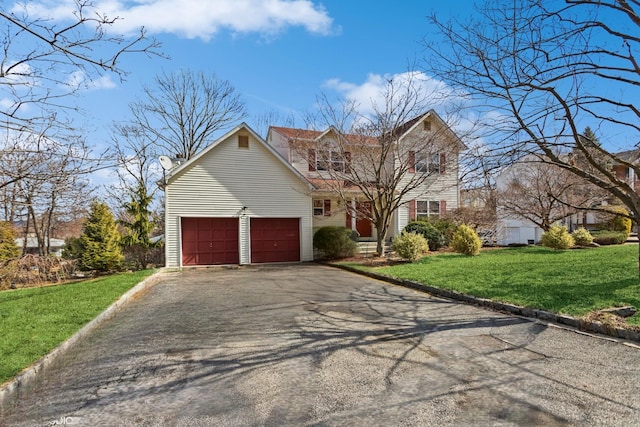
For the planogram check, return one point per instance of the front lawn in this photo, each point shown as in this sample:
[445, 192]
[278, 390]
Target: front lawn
[572, 282]
[35, 321]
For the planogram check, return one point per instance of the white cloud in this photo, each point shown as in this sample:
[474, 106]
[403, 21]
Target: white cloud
[79, 80]
[6, 103]
[434, 93]
[197, 18]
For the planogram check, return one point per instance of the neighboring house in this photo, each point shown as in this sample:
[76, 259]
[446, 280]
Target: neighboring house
[626, 173]
[517, 229]
[517, 184]
[237, 202]
[55, 245]
[306, 150]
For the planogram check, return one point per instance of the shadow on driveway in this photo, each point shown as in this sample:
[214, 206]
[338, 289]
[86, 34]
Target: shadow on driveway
[312, 345]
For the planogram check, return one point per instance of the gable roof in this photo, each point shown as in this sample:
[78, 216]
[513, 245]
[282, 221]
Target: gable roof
[410, 125]
[399, 132]
[242, 126]
[630, 156]
[315, 135]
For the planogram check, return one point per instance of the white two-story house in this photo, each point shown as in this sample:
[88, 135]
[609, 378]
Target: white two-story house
[420, 159]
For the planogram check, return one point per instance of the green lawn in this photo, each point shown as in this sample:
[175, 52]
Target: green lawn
[35, 321]
[571, 282]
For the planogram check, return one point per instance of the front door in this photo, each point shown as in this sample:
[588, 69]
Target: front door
[363, 225]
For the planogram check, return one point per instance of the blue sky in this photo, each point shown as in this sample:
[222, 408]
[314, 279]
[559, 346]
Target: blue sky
[278, 54]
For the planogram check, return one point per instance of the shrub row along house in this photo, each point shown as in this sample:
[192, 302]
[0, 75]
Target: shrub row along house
[245, 200]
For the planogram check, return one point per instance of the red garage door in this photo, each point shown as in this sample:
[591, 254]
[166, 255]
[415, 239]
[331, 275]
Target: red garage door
[275, 239]
[209, 241]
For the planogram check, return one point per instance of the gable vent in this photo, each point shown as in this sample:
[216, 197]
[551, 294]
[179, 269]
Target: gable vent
[243, 141]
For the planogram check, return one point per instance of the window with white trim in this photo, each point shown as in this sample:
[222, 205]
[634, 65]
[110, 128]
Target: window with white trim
[329, 160]
[321, 207]
[428, 164]
[428, 208]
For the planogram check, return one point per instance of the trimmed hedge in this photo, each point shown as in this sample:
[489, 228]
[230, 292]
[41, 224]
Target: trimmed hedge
[605, 237]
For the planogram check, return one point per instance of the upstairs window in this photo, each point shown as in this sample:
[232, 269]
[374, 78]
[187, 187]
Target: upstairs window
[432, 163]
[331, 160]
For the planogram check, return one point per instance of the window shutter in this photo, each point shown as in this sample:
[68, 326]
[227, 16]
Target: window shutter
[443, 208]
[312, 160]
[412, 210]
[347, 162]
[443, 163]
[412, 162]
[327, 207]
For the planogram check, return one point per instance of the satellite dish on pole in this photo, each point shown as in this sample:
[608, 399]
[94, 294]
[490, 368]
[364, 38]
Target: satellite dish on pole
[166, 162]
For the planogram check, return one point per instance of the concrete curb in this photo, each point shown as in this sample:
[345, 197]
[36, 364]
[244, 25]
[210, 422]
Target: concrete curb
[547, 316]
[11, 391]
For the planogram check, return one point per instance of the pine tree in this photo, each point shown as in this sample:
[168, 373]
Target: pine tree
[139, 226]
[589, 138]
[99, 244]
[8, 247]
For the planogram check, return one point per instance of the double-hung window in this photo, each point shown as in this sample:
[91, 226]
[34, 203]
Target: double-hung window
[428, 164]
[321, 207]
[428, 208]
[329, 160]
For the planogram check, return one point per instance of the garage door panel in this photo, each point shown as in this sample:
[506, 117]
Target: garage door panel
[210, 241]
[275, 240]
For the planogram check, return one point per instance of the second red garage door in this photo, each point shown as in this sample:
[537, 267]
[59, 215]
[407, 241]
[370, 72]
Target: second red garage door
[275, 240]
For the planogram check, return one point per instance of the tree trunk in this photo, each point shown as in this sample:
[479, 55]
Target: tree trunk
[380, 246]
[380, 238]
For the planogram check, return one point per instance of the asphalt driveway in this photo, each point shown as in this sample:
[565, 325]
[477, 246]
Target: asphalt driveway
[312, 345]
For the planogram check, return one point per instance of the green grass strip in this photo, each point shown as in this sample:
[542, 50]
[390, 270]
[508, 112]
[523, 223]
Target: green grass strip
[572, 282]
[35, 321]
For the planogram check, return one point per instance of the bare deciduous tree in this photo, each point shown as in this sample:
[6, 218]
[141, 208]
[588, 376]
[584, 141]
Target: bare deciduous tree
[51, 187]
[136, 157]
[184, 110]
[371, 156]
[138, 176]
[544, 193]
[44, 61]
[262, 122]
[541, 71]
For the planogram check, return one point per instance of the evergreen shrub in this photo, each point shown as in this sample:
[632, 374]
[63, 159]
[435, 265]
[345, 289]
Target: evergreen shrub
[465, 240]
[410, 246]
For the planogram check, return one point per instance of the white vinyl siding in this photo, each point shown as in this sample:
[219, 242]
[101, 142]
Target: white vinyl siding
[227, 179]
[438, 186]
